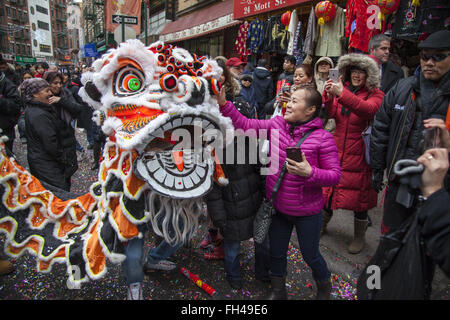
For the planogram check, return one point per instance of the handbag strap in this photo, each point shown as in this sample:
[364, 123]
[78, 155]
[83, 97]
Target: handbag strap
[283, 169]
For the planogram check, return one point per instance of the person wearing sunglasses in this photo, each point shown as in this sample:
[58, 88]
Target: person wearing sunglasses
[399, 126]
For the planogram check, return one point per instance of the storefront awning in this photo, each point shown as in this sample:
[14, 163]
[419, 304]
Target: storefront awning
[200, 23]
[244, 9]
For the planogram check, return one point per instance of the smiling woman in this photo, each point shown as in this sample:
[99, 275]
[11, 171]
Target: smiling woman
[353, 102]
[299, 199]
[50, 139]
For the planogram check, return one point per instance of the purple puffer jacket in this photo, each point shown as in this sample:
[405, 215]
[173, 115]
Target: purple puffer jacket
[297, 196]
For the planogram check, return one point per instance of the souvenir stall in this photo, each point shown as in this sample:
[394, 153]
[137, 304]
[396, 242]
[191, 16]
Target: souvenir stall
[313, 29]
[272, 30]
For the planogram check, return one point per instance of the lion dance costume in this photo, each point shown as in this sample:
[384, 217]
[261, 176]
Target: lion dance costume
[149, 101]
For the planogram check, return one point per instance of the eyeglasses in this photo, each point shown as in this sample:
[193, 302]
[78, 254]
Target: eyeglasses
[358, 71]
[437, 57]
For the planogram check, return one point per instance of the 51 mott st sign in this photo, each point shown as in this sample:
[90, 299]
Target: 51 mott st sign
[246, 8]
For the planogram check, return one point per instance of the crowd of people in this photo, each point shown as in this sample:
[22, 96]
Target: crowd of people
[334, 171]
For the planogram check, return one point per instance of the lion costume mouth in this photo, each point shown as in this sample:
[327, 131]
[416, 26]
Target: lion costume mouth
[179, 166]
[146, 98]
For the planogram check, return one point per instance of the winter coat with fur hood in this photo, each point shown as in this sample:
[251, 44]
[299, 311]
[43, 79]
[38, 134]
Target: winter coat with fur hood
[352, 112]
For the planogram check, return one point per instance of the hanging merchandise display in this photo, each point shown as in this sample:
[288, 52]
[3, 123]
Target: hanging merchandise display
[292, 28]
[416, 22]
[255, 36]
[356, 25]
[240, 46]
[330, 43]
[386, 7]
[298, 44]
[308, 47]
[275, 36]
[325, 11]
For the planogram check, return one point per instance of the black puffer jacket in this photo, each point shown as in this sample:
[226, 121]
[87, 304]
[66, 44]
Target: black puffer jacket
[404, 107]
[391, 74]
[10, 104]
[263, 84]
[85, 115]
[435, 220]
[50, 144]
[233, 208]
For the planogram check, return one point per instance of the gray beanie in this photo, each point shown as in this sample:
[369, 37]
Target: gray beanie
[32, 86]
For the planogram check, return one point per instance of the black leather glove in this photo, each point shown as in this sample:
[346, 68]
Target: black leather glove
[377, 180]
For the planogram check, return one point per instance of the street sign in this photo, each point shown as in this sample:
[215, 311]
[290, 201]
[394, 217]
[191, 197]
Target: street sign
[127, 19]
[90, 50]
[25, 59]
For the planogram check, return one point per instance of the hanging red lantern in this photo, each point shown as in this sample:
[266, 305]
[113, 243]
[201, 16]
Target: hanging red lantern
[286, 18]
[325, 11]
[386, 7]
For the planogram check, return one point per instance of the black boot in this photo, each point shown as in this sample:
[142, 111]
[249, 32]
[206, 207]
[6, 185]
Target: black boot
[96, 149]
[278, 288]
[323, 290]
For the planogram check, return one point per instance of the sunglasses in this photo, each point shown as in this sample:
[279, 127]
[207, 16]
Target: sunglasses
[437, 57]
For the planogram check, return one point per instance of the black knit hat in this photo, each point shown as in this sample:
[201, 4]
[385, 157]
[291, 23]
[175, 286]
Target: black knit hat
[438, 40]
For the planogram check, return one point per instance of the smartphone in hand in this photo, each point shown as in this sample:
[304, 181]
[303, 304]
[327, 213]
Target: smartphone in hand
[294, 153]
[334, 75]
[430, 138]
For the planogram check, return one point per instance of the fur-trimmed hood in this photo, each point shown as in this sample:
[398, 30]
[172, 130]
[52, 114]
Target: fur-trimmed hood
[235, 88]
[364, 62]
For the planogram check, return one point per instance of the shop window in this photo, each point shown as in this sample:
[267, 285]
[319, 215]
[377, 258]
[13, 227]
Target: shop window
[43, 25]
[157, 20]
[41, 9]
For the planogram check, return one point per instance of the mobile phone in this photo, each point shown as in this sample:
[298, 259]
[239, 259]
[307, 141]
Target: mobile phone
[294, 153]
[430, 139]
[334, 74]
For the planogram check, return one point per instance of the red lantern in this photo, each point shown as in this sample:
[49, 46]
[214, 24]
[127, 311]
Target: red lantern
[325, 11]
[386, 7]
[285, 19]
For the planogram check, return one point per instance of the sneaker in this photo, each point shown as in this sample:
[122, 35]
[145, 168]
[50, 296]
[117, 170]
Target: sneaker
[135, 291]
[164, 265]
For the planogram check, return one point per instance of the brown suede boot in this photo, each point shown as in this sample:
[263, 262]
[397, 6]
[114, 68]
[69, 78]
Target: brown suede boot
[360, 227]
[323, 290]
[326, 217]
[278, 288]
[6, 267]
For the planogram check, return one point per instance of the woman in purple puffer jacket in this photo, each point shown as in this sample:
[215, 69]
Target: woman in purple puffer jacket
[299, 199]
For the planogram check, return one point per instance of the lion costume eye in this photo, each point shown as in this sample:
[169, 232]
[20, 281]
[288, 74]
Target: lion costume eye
[129, 80]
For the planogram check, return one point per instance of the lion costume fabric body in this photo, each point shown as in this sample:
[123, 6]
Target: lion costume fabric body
[146, 98]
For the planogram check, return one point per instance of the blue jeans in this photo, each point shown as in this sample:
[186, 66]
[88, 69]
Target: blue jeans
[233, 265]
[162, 252]
[134, 251]
[308, 233]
